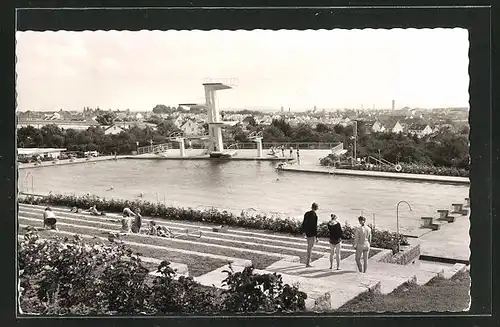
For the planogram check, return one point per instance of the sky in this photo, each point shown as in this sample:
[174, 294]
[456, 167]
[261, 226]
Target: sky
[418, 68]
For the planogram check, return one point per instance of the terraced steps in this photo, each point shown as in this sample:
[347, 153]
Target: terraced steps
[269, 253]
[180, 268]
[323, 293]
[263, 236]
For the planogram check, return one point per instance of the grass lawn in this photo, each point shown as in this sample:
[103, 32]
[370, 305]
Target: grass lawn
[439, 295]
[197, 265]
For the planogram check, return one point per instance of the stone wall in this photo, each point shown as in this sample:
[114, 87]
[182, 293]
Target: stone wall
[408, 255]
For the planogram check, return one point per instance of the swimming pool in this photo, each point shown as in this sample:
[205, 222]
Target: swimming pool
[250, 186]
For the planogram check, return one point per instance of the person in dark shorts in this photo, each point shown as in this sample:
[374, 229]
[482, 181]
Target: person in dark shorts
[335, 240]
[310, 228]
[49, 219]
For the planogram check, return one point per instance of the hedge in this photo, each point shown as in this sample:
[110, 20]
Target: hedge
[380, 239]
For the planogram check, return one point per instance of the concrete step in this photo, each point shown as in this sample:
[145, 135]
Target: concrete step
[235, 260]
[323, 293]
[181, 269]
[288, 241]
[173, 240]
[207, 229]
[455, 269]
[390, 276]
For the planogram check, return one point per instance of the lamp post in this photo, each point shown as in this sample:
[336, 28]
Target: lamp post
[397, 219]
[355, 139]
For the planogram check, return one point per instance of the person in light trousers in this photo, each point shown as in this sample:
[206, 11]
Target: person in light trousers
[362, 241]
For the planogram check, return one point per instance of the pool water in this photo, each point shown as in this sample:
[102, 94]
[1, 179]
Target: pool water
[251, 186]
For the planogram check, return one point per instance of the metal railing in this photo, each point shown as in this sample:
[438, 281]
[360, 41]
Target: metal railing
[153, 148]
[381, 161]
[245, 145]
[287, 145]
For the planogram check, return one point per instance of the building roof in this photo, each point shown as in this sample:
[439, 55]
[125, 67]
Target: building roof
[417, 126]
[33, 151]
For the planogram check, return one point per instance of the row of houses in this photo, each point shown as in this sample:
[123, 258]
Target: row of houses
[419, 129]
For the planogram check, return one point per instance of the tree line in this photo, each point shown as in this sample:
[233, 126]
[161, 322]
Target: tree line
[94, 138]
[444, 148]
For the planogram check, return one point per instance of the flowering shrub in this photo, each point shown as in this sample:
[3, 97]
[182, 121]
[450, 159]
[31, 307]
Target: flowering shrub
[63, 276]
[214, 216]
[405, 168]
[249, 292]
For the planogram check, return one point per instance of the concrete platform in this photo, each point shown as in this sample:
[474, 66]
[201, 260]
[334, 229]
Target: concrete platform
[67, 162]
[242, 155]
[448, 244]
[317, 169]
[328, 291]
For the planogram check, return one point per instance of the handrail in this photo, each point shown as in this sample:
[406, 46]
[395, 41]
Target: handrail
[254, 134]
[176, 134]
[382, 161]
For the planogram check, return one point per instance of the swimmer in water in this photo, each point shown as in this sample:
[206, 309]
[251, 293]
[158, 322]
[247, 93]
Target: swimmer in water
[110, 189]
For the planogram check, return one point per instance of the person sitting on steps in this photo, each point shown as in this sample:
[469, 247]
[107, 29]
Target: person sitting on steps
[128, 214]
[93, 211]
[49, 219]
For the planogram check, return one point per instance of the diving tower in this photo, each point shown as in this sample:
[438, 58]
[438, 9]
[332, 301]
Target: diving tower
[215, 123]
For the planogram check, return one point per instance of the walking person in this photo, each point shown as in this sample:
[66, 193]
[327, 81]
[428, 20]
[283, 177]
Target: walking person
[335, 240]
[291, 152]
[136, 225]
[283, 151]
[298, 156]
[362, 241]
[310, 228]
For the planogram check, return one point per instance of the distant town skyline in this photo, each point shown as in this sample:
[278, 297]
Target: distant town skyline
[331, 69]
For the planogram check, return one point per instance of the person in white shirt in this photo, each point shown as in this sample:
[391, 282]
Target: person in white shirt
[362, 241]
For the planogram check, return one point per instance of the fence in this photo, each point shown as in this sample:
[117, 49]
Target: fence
[242, 146]
[287, 145]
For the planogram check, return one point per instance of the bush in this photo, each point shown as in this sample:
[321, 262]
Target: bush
[213, 216]
[62, 276]
[249, 292]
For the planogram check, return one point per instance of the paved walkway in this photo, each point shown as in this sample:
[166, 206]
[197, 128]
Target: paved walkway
[318, 169]
[68, 162]
[450, 242]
